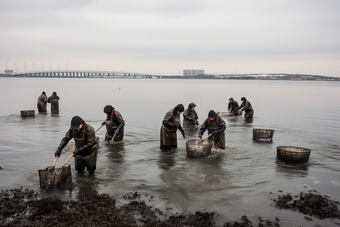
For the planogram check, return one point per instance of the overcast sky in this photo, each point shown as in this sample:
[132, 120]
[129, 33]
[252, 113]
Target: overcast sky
[165, 37]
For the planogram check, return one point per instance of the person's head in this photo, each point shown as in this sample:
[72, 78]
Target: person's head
[43, 93]
[212, 115]
[54, 93]
[179, 109]
[77, 123]
[231, 99]
[192, 106]
[243, 99]
[108, 109]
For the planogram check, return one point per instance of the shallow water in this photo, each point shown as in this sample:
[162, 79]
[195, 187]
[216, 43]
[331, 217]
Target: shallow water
[242, 179]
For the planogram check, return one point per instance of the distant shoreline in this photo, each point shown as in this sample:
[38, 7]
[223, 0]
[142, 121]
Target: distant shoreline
[282, 77]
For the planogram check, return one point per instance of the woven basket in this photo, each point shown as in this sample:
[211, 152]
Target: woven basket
[263, 134]
[198, 149]
[27, 113]
[293, 155]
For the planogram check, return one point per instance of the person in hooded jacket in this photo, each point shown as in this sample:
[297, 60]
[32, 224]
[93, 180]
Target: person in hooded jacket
[114, 124]
[42, 103]
[216, 126]
[232, 105]
[247, 107]
[86, 145]
[54, 100]
[190, 115]
[170, 124]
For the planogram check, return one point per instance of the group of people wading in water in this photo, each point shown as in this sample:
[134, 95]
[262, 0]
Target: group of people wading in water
[86, 142]
[43, 100]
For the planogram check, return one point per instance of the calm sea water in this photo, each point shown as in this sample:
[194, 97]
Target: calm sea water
[241, 180]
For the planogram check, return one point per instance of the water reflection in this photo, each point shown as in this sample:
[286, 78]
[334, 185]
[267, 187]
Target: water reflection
[85, 184]
[290, 170]
[166, 159]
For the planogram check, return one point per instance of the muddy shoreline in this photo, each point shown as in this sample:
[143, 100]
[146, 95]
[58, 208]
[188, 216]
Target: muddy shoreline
[23, 207]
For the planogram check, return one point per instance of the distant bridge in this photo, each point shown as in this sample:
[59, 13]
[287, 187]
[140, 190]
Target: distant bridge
[85, 74]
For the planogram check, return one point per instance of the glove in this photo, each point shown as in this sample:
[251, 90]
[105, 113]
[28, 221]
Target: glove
[78, 151]
[103, 123]
[214, 132]
[116, 131]
[173, 125]
[60, 147]
[57, 153]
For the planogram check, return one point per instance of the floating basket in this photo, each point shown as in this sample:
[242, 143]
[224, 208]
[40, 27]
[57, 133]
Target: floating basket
[263, 134]
[27, 113]
[198, 149]
[293, 155]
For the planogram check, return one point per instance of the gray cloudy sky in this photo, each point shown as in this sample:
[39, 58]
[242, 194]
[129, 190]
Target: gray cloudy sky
[165, 37]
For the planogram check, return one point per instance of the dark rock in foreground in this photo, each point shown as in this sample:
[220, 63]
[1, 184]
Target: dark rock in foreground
[24, 208]
[312, 204]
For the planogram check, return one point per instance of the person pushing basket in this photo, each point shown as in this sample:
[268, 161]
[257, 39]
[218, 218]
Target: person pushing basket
[216, 127]
[86, 145]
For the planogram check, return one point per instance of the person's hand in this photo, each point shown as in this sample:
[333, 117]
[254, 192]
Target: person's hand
[57, 153]
[214, 132]
[103, 123]
[173, 126]
[197, 122]
[199, 138]
[78, 151]
[116, 132]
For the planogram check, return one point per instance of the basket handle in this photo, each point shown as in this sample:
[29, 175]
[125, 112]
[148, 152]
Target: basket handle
[55, 160]
[205, 138]
[66, 160]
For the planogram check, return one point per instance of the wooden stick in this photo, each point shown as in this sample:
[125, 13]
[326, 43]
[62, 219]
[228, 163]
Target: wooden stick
[55, 161]
[67, 160]
[206, 138]
[114, 135]
[99, 128]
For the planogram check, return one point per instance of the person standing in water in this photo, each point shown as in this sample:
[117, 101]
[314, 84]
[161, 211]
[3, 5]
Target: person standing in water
[232, 105]
[170, 124]
[216, 126]
[54, 100]
[247, 107]
[86, 145]
[114, 124]
[190, 115]
[42, 103]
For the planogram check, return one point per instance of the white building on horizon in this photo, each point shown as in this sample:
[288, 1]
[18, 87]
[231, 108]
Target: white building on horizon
[193, 72]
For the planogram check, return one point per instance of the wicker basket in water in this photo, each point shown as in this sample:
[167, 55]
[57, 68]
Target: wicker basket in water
[198, 149]
[55, 177]
[27, 113]
[293, 155]
[263, 134]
